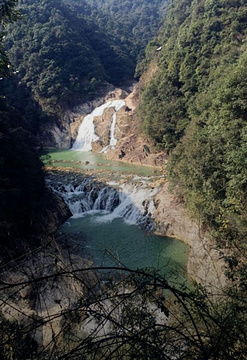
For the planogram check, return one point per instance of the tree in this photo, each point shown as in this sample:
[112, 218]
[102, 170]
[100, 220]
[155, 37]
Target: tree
[7, 14]
[125, 314]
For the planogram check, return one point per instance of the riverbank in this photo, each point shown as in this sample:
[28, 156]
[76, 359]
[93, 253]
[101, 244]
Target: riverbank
[171, 220]
[57, 281]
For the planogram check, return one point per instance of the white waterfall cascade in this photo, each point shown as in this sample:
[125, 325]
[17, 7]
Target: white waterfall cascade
[136, 205]
[86, 135]
[134, 202]
[113, 140]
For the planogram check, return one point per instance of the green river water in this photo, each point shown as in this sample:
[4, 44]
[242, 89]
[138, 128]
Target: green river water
[78, 159]
[117, 242]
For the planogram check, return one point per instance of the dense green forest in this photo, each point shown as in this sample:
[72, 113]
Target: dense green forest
[195, 108]
[134, 23]
[62, 52]
[21, 176]
[60, 55]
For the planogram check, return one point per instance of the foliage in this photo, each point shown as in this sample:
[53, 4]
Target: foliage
[61, 54]
[7, 14]
[21, 179]
[134, 314]
[196, 107]
[65, 50]
[134, 23]
[199, 40]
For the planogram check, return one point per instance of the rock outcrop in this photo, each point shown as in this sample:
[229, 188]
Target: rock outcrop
[132, 145]
[62, 133]
[52, 214]
[205, 265]
[50, 286]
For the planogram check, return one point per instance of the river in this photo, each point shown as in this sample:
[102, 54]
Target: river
[112, 205]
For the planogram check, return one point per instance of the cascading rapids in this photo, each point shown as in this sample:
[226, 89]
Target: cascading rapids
[134, 203]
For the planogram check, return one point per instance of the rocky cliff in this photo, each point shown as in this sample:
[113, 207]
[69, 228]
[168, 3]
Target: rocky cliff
[62, 133]
[205, 265]
[132, 145]
[40, 290]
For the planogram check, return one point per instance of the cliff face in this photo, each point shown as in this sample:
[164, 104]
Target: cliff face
[204, 263]
[62, 133]
[52, 214]
[48, 290]
[40, 302]
[132, 146]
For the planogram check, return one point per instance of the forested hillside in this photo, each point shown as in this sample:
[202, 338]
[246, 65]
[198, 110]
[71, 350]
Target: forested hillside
[196, 109]
[61, 55]
[134, 23]
[62, 52]
[21, 177]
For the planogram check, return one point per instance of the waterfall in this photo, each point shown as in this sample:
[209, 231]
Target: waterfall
[134, 203]
[86, 135]
[113, 140]
[136, 206]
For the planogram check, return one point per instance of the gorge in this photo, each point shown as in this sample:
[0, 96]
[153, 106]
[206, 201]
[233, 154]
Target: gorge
[148, 195]
[114, 199]
[142, 185]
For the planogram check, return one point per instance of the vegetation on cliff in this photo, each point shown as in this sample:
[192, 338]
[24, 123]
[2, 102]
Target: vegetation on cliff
[24, 200]
[133, 23]
[61, 55]
[195, 108]
[21, 179]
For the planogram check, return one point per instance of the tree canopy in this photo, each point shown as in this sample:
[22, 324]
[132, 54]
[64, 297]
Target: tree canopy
[21, 177]
[195, 109]
[65, 50]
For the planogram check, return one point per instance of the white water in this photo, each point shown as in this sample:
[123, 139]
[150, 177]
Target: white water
[113, 140]
[86, 135]
[132, 202]
[136, 205]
